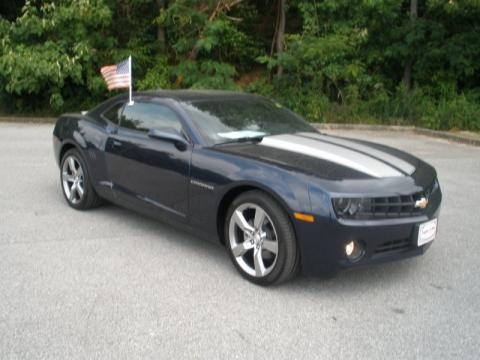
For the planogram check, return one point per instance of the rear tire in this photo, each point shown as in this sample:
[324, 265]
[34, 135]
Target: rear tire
[260, 239]
[76, 183]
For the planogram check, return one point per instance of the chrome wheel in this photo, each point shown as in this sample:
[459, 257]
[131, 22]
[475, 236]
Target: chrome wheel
[72, 179]
[253, 239]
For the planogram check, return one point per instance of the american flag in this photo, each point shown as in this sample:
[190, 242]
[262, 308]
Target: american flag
[117, 76]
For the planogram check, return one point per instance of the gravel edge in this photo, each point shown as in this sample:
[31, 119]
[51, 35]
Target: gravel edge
[472, 139]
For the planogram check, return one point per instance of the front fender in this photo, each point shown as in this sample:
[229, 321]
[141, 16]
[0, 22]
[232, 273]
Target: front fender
[215, 174]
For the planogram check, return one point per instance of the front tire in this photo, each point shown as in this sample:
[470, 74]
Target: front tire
[260, 239]
[76, 183]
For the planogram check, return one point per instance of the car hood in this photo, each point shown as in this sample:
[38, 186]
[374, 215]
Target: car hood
[328, 156]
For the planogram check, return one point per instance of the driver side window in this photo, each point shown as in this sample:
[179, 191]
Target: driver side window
[144, 116]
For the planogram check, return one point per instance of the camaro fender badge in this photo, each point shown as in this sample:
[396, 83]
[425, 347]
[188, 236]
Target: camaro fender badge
[422, 203]
[201, 184]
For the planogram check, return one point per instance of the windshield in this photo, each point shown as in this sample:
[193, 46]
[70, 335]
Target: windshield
[234, 120]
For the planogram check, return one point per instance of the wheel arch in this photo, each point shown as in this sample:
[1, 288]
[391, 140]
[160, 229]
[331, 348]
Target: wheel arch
[66, 146]
[235, 191]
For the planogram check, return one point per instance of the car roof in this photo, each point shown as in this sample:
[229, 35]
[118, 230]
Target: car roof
[177, 95]
[193, 95]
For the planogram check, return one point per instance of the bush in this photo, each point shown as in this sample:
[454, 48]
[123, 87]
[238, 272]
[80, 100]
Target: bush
[341, 61]
[456, 113]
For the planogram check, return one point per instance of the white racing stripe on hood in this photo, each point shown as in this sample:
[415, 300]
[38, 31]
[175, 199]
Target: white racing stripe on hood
[379, 154]
[330, 152]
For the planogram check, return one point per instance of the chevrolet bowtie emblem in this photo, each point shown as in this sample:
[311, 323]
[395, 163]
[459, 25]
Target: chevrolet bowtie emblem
[422, 203]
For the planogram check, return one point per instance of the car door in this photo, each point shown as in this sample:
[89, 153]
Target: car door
[149, 172]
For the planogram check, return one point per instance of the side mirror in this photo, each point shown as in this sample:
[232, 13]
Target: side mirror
[170, 135]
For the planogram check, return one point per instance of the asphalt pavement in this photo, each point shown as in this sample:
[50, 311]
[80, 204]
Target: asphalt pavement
[109, 283]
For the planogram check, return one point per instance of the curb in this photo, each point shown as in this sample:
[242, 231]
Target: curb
[27, 119]
[454, 137]
[363, 127]
[463, 139]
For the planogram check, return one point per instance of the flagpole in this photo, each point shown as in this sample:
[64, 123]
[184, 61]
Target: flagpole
[131, 84]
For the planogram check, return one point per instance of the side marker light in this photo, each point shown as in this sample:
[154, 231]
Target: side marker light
[304, 217]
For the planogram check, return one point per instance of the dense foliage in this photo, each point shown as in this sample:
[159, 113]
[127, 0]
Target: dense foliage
[390, 61]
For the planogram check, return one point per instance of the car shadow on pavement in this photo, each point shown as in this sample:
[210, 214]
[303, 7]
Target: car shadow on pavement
[198, 248]
[377, 276]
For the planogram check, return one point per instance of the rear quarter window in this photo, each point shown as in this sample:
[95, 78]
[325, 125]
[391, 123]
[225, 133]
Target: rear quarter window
[114, 113]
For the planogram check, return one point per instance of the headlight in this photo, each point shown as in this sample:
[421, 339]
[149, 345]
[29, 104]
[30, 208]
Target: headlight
[350, 207]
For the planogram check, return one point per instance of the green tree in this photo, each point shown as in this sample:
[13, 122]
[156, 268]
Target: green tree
[49, 51]
[390, 61]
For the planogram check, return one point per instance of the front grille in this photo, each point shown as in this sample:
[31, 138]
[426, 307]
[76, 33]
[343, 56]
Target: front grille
[397, 206]
[391, 206]
[393, 246]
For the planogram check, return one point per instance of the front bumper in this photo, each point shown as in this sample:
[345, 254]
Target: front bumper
[322, 243]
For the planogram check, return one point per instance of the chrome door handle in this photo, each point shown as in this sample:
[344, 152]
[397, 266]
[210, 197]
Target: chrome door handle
[117, 143]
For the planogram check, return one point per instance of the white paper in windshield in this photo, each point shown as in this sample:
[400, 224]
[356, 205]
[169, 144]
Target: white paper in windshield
[241, 134]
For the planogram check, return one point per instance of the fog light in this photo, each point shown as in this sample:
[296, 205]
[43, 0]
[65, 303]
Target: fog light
[349, 248]
[354, 250]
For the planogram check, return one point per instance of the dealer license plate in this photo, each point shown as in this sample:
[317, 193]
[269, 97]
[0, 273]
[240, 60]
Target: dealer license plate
[427, 232]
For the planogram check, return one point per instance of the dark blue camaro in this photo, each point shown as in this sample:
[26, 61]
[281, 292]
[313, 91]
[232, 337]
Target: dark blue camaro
[246, 172]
